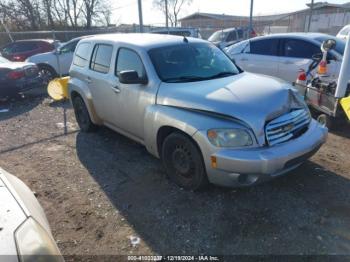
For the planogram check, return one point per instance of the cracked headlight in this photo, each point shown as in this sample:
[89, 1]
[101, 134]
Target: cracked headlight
[35, 244]
[229, 137]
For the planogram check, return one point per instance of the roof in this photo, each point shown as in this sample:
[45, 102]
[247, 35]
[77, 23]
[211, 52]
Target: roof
[297, 34]
[144, 40]
[37, 40]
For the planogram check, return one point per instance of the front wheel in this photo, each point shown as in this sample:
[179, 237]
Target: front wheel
[183, 162]
[82, 115]
[325, 120]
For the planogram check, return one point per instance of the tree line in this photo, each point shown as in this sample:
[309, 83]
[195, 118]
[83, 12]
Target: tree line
[22, 15]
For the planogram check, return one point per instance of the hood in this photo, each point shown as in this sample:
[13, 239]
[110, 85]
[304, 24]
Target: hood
[251, 98]
[41, 57]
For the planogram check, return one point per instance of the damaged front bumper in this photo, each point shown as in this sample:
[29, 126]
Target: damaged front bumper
[245, 167]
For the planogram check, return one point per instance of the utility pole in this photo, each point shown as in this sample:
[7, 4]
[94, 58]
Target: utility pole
[251, 18]
[310, 16]
[6, 29]
[140, 16]
[166, 14]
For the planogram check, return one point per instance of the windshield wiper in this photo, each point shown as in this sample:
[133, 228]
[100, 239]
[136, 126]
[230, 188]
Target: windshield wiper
[184, 79]
[222, 74]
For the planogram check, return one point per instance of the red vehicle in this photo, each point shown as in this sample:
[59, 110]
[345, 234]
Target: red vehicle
[20, 50]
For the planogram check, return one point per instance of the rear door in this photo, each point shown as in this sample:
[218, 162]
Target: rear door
[296, 54]
[101, 81]
[261, 57]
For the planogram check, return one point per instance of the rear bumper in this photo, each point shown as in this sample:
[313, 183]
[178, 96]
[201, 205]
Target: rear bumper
[11, 88]
[244, 167]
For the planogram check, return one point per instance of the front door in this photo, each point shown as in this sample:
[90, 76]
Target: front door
[131, 100]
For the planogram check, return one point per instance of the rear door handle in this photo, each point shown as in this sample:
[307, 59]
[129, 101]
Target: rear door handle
[244, 59]
[288, 62]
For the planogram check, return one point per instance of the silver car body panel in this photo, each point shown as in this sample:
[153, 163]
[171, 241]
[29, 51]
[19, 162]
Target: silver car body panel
[245, 101]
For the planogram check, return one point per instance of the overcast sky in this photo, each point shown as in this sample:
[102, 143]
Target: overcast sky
[125, 11]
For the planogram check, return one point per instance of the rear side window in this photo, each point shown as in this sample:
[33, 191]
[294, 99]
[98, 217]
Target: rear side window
[82, 54]
[129, 60]
[264, 47]
[300, 49]
[101, 58]
[25, 47]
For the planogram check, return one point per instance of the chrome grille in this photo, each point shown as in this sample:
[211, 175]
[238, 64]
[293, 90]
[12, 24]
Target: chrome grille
[287, 126]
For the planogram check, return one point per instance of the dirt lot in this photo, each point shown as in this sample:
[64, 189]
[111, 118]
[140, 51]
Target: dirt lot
[100, 189]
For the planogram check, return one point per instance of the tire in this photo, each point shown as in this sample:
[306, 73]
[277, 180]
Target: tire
[47, 73]
[325, 120]
[82, 115]
[183, 162]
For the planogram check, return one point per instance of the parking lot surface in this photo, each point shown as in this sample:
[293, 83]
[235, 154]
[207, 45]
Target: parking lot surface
[104, 194]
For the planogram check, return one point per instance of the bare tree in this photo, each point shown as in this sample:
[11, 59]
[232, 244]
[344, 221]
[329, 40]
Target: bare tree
[51, 14]
[174, 8]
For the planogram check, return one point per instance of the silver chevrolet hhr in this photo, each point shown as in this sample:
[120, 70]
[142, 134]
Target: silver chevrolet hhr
[190, 106]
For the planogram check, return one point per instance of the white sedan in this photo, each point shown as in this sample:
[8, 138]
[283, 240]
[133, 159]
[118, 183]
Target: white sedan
[25, 234]
[283, 55]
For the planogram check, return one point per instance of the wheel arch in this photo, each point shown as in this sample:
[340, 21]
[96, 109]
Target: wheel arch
[74, 92]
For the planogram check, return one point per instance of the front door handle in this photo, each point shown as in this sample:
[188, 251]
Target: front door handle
[244, 59]
[88, 80]
[288, 62]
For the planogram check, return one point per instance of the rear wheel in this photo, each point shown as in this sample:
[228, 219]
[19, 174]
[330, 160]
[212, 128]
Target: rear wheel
[82, 115]
[183, 162]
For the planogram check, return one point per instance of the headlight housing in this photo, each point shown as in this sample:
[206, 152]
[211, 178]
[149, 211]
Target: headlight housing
[35, 244]
[229, 137]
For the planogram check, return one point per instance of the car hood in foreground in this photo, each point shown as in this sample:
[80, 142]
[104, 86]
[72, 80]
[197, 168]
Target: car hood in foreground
[251, 98]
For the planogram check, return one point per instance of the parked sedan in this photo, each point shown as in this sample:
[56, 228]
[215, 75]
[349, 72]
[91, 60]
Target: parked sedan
[22, 49]
[344, 32]
[56, 62]
[283, 55]
[17, 77]
[25, 234]
[230, 36]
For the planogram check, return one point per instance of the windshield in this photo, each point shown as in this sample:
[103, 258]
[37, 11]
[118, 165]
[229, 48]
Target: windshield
[339, 47]
[189, 62]
[217, 36]
[3, 60]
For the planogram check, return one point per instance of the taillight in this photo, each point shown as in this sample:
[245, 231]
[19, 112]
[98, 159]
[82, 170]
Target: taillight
[253, 34]
[19, 58]
[14, 75]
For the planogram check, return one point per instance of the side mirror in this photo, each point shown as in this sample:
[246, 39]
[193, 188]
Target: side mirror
[58, 51]
[328, 45]
[131, 77]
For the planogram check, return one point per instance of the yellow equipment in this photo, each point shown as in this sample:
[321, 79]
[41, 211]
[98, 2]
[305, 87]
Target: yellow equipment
[58, 88]
[345, 103]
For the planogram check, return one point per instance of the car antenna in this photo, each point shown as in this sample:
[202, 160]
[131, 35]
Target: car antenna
[185, 39]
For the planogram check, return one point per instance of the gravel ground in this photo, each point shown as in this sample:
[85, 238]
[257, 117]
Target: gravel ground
[100, 190]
